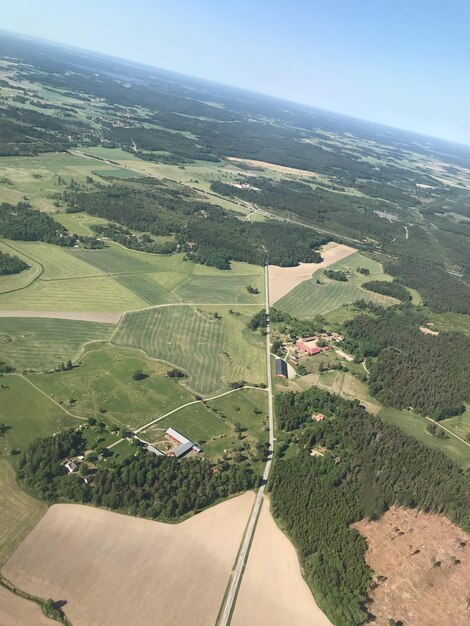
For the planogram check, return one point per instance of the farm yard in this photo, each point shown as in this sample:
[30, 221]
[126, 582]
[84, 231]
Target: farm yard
[72, 554]
[214, 351]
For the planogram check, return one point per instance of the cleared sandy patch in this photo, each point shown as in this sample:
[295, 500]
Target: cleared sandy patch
[120, 570]
[104, 318]
[428, 331]
[16, 611]
[284, 169]
[273, 591]
[426, 564]
[284, 279]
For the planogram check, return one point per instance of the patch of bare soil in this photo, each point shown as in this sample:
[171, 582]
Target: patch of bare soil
[104, 318]
[428, 331]
[273, 591]
[119, 570]
[422, 566]
[284, 279]
[284, 169]
[16, 611]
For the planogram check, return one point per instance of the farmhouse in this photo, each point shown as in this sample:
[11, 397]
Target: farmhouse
[71, 466]
[309, 345]
[184, 446]
[281, 368]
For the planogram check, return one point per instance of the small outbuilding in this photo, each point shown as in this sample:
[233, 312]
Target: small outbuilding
[281, 369]
[71, 466]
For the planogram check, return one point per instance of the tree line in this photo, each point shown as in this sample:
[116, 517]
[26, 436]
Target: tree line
[10, 264]
[387, 288]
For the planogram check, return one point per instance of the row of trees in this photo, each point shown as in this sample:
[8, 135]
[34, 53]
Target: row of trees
[387, 288]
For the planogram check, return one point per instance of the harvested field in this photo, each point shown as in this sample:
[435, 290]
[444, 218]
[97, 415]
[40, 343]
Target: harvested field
[284, 279]
[85, 556]
[284, 169]
[273, 591]
[426, 564]
[15, 611]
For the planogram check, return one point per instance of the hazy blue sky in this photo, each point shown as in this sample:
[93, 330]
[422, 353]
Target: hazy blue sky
[400, 62]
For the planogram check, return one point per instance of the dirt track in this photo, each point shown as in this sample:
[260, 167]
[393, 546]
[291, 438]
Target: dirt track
[284, 279]
[15, 611]
[273, 591]
[104, 318]
[118, 570]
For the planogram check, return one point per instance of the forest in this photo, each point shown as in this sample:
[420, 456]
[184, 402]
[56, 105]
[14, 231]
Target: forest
[10, 264]
[429, 373]
[205, 232]
[367, 466]
[440, 290]
[141, 242]
[143, 485]
[387, 288]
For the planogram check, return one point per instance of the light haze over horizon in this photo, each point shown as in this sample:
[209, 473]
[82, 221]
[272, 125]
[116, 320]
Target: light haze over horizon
[403, 64]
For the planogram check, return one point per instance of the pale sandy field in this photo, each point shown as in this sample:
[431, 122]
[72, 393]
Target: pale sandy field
[15, 611]
[119, 570]
[273, 591]
[284, 169]
[284, 279]
[425, 563]
[104, 318]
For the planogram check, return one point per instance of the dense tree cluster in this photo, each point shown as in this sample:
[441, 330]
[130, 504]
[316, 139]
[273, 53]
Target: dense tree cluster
[368, 465]
[387, 288]
[336, 275]
[412, 369]
[440, 290]
[143, 485]
[10, 264]
[259, 320]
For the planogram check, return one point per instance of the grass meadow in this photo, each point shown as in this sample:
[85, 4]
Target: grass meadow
[212, 351]
[103, 381]
[42, 343]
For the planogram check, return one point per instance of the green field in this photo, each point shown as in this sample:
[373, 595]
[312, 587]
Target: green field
[103, 380]
[415, 425]
[12, 282]
[309, 298]
[223, 289]
[213, 352]
[29, 413]
[248, 407]
[37, 178]
[19, 512]
[146, 287]
[41, 343]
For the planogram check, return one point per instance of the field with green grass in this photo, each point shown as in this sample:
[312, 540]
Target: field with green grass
[415, 425]
[212, 351]
[12, 282]
[28, 413]
[103, 380]
[40, 177]
[310, 298]
[42, 343]
[226, 289]
[19, 512]
[248, 407]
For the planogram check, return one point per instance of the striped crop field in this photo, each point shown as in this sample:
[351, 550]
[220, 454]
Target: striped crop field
[95, 293]
[212, 351]
[309, 299]
[42, 343]
[13, 282]
[228, 289]
[56, 262]
[19, 512]
[146, 287]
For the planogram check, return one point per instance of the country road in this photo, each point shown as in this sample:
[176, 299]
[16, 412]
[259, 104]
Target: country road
[235, 580]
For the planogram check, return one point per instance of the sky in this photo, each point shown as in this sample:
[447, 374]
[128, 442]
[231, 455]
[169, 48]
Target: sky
[396, 62]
